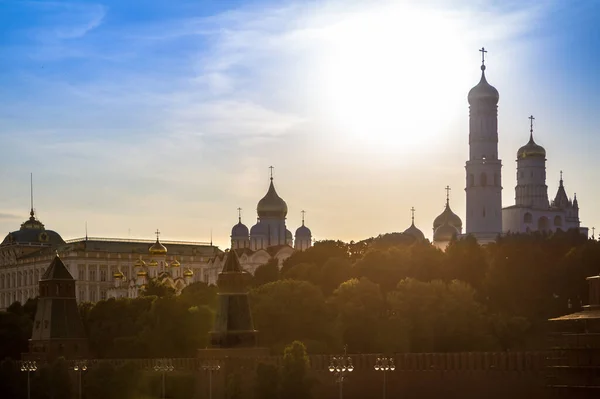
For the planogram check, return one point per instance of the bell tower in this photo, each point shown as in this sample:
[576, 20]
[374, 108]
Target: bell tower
[483, 169]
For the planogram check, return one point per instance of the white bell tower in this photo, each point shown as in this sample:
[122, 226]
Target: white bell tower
[483, 169]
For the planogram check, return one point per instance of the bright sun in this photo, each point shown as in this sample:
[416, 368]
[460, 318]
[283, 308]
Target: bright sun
[395, 78]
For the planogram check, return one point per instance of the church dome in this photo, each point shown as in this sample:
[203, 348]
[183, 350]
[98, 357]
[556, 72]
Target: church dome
[415, 232]
[445, 233]
[531, 150]
[271, 205]
[483, 92]
[288, 234]
[303, 231]
[157, 248]
[239, 230]
[258, 229]
[188, 273]
[447, 216]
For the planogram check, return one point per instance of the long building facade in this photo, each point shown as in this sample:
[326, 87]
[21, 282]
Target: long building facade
[102, 267]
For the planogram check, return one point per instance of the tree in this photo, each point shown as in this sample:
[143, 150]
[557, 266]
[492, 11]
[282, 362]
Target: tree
[288, 310]
[334, 272]
[266, 273]
[465, 261]
[318, 254]
[304, 272]
[294, 372]
[157, 288]
[360, 306]
[199, 294]
[267, 382]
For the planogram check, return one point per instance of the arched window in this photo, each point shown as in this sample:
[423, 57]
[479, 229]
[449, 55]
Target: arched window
[527, 218]
[483, 179]
[471, 180]
[557, 221]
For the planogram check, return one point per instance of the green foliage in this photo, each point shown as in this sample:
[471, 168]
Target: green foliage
[266, 273]
[294, 372]
[199, 294]
[106, 381]
[156, 287]
[289, 310]
[267, 382]
[52, 381]
[15, 331]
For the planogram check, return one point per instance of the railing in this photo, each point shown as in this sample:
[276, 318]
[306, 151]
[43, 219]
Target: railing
[134, 240]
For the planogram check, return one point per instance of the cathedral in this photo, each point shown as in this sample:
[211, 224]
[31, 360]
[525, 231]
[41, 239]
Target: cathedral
[268, 239]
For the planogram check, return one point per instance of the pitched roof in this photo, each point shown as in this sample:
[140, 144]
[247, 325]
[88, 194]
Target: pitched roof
[57, 271]
[232, 264]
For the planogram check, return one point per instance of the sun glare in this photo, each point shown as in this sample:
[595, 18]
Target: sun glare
[394, 78]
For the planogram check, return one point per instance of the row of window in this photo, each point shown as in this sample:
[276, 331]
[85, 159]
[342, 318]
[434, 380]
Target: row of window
[542, 221]
[21, 278]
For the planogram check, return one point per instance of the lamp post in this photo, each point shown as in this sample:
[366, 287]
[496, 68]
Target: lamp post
[28, 366]
[384, 364]
[79, 367]
[211, 367]
[340, 366]
[163, 365]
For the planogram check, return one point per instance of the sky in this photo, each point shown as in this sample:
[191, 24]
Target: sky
[140, 115]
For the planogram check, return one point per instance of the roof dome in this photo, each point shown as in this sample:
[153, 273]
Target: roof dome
[157, 248]
[188, 273]
[447, 216]
[32, 231]
[531, 149]
[175, 263]
[415, 232]
[303, 231]
[239, 230]
[483, 92]
[271, 205]
[258, 229]
[445, 233]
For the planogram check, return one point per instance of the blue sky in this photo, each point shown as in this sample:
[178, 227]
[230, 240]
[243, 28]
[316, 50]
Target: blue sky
[140, 115]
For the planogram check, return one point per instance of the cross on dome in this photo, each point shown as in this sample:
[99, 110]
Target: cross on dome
[412, 212]
[239, 214]
[303, 212]
[157, 234]
[271, 167]
[483, 51]
[447, 194]
[531, 119]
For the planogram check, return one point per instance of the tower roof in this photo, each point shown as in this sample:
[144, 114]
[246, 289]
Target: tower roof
[483, 92]
[57, 271]
[157, 248]
[413, 230]
[232, 264]
[531, 149]
[240, 229]
[447, 215]
[561, 200]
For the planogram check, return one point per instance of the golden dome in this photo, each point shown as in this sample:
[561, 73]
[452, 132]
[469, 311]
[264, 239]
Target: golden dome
[118, 275]
[447, 216]
[483, 92]
[175, 263]
[142, 273]
[188, 273]
[153, 263]
[531, 149]
[157, 248]
[271, 205]
[139, 263]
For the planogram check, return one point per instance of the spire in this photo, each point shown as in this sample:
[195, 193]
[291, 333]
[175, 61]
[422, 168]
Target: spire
[271, 168]
[32, 213]
[86, 234]
[531, 119]
[157, 232]
[412, 215]
[239, 215]
[232, 264]
[303, 213]
[483, 51]
[560, 182]
[447, 195]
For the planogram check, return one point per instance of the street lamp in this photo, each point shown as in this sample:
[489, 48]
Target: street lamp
[384, 364]
[211, 367]
[28, 366]
[340, 366]
[163, 365]
[79, 367]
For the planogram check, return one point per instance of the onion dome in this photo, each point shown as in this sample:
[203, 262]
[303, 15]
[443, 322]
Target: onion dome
[118, 275]
[258, 229]
[447, 216]
[271, 205]
[153, 263]
[303, 231]
[415, 232]
[139, 263]
[531, 149]
[188, 273]
[483, 92]
[175, 263]
[141, 273]
[445, 232]
[240, 229]
[157, 248]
